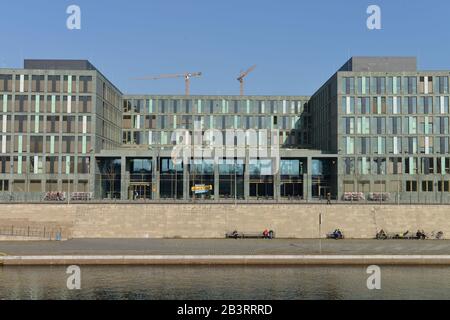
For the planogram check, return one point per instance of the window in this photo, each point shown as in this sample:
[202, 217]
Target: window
[171, 179]
[410, 105]
[68, 145]
[349, 144]
[441, 85]
[363, 85]
[410, 85]
[381, 145]
[427, 165]
[443, 186]
[85, 84]
[395, 166]
[411, 165]
[348, 85]
[21, 104]
[364, 144]
[349, 166]
[364, 165]
[5, 164]
[363, 105]
[363, 125]
[348, 105]
[426, 105]
[427, 186]
[4, 185]
[84, 144]
[393, 85]
[22, 83]
[412, 145]
[395, 125]
[37, 83]
[83, 165]
[443, 165]
[411, 186]
[394, 105]
[36, 144]
[85, 104]
[380, 125]
[36, 165]
[378, 85]
[442, 105]
[425, 85]
[379, 166]
[412, 125]
[5, 102]
[70, 84]
[20, 124]
[68, 124]
[54, 84]
[5, 83]
[349, 125]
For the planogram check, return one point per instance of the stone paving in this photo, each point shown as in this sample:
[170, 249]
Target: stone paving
[226, 247]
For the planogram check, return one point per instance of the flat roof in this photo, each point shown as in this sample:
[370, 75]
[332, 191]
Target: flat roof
[58, 64]
[380, 64]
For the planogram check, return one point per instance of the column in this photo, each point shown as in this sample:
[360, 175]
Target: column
[308, 195]
[123, 179]
[155, 177]
[247, 176]
[216, 180]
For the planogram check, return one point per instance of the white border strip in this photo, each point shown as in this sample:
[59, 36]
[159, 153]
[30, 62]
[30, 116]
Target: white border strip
[212, 259]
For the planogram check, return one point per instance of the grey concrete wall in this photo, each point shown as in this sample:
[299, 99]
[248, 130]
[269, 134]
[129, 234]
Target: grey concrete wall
[213, 221]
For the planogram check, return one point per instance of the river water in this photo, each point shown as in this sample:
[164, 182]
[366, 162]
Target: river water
[180, 282]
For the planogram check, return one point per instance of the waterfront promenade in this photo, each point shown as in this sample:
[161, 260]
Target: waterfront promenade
[225, 247]
[225, 252]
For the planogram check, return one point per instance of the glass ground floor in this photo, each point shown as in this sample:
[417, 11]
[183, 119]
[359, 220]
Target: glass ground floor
[297, 176]
[153, 178]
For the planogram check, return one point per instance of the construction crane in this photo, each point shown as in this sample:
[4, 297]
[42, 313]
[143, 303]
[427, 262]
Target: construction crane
[187, 78]
[242, 76]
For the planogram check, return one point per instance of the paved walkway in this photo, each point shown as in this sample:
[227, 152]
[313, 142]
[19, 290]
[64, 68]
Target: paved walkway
[226, 247]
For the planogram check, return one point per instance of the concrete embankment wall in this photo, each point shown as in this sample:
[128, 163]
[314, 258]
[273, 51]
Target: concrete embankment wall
[212, 221]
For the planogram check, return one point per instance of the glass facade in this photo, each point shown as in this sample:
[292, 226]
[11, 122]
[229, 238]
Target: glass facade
[365, 131]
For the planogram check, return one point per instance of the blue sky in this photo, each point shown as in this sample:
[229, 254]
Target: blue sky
[296, 44]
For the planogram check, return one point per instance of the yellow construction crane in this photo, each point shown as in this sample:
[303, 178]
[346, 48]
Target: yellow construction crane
[187, 78]
[242, 77]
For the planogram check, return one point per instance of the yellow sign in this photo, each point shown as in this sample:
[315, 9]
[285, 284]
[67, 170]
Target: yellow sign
[202, 188]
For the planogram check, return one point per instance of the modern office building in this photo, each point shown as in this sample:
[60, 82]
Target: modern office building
[377, 129]
[55, 116]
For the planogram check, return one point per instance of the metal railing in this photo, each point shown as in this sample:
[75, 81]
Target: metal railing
[31, 232]
[355, 198]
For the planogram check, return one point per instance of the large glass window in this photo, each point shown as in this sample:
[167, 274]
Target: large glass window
[291, 174]
[201, 174]
[231, 178]
[171, 179]
[261, 178]
[109, 178]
